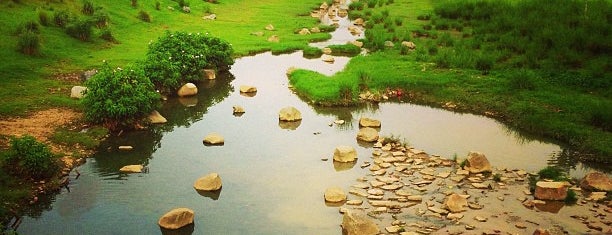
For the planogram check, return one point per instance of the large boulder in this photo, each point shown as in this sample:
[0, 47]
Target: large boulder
[334, 194]
[188, 89]
[550, 190]
[247, 89]
[156, 118]
[368, 122]
[358, 224]
[477, 163]
[596, 181]
[345, 154]
[210, 182]
[214, 139]
[456, 203]
[176, 218]
[77, 92]
[367, 134]
[131, 169]
[289, 114]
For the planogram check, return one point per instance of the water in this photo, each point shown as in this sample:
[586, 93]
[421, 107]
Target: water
[273, 175]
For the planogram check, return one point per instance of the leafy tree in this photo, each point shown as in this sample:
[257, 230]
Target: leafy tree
[119, 97]
[179, 57]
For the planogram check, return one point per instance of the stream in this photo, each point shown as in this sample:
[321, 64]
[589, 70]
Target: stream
[273, 174]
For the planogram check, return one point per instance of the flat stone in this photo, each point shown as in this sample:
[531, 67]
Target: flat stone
[392, 187]
[455, 203]
[414, 198]
[354, 202]
[176, 218]
[376, 192]
[214, 139]
[454, 216]
[480, 186]
[393, 229]
[358, 193]
[345, 154]
[247, 89]
[289, 114]
[443, 174]
[480, 219]
[357, 223]
[131, 169]
[334, 194]
[437, 210]
[550, 190]
[361, 186]
[369, 122]
[125, 147]
[478, 163]
[462, 172]
[156, 118]
[376, 183]
[209, 182]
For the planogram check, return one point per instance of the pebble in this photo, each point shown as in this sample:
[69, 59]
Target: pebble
[354, 202]
[480, 218]
[520, 225]
[393, 229]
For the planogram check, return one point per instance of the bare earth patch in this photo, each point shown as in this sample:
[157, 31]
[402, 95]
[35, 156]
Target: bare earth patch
[40, 125]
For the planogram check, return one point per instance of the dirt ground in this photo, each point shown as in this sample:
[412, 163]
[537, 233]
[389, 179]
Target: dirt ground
[40, 125]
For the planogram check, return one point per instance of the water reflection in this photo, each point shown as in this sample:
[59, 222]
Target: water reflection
[289, 125]
[214, 195]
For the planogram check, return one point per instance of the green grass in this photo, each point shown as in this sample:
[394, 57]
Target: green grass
[88, 139]
[570, 104]
[24, 84]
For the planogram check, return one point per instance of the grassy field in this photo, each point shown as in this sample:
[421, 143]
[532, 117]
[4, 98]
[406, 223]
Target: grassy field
[454, 67]
[25, 85]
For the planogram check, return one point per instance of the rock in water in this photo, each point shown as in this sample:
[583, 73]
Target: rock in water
[550, 190]
[77, 92]
[334, 194]
[238, 109]
[345, 154]
[478, 163]
[247, 89]
[214, 139]
[358, 224]
[131, 169]
[456, 203]
[210, 182]
[176, 218]
[156, 118]
[367, 134]
[328, 58]
[596, 181]
[289, 114]
[210, 74]
[368, 122]
[188, 89]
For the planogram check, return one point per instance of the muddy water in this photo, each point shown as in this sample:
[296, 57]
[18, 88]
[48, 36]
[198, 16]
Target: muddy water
[273, 175]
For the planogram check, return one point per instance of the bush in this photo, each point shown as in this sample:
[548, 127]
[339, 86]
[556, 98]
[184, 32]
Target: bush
[43, 18]
[61, 18]
[571, 197]
[29, 157]
[484, 64]
[424, 17]
[179, 57]
[118, 97]
[144, 16]
[356, 6]
[522, 80]
[552, 173]
[28, 43]
[88, 8]
[80, 29]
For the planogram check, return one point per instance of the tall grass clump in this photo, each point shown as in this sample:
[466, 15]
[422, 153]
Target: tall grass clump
[356, 6]
[101, 19]
[61, 18]
[88, 8]
[107, 35]
[80, 29]
[372, 3]
[28, 43]
[43, 18]
[144, 16]
[522, 79]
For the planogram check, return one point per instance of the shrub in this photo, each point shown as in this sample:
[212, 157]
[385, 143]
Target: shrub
[43, 18]
[144, 16]
[29, 157]
[484, 63]
[179, 57]
[424, 17]
[29, 26]
[118, 97]
[571, 197]
[80, 29]
[345, 92]
[61, 18]
[356, 6]
[88, 8]
[522, 80]
[601, 116]
[28, 43]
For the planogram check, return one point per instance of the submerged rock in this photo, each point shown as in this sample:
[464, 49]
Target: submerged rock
[131, 169]
[358, 224]
[210, 182]
[176, 218]
[345, 154]
[210, 74]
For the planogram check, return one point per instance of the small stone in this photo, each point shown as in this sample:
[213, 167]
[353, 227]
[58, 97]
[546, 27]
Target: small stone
[480, 219]
[214, 139]
[470, 227]
[209, 182]
[354, 202]
[334, 194]
[247, 89]
[520, 225]
[376, 192]
[188, 89]
[237, 109]
[454, 216]
[176, 218]
[131, 169]
[393, 229]
[125, 147]
[480, 186]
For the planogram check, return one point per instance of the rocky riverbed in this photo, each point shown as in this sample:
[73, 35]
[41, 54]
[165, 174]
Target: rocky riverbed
[408, 191]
